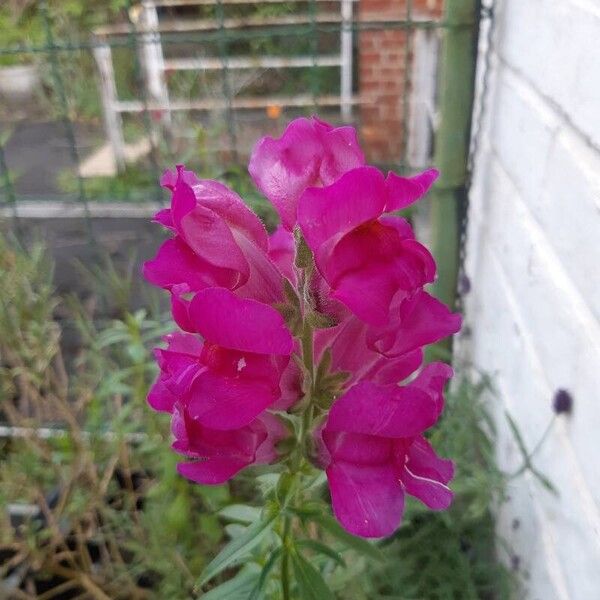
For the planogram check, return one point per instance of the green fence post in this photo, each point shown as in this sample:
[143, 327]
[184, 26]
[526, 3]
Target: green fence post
[457, 78]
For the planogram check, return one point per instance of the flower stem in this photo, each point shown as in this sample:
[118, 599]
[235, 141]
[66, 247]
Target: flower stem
[285, 562]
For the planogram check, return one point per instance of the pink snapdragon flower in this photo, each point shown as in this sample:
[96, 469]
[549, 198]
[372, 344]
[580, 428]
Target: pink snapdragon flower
[374, 452]
[218, 242]
[325, 319]
[365, 257]
[234, 374]
[309, 153]
[219, 455]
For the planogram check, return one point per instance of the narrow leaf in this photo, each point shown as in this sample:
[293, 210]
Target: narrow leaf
[237, 588]
[264, 574]
[321, 548]
[237, 548]
[355, 543]
[241, 513]
[310, 581]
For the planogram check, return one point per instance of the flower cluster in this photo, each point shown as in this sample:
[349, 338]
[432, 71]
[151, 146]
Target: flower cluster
[322, 323]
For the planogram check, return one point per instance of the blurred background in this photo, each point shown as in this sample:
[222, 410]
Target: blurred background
[97, 99]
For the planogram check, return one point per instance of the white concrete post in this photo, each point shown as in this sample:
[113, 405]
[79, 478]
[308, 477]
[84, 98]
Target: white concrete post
[153, 60]
[113, 122]
[346, 61]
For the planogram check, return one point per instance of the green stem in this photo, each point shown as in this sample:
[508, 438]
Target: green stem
[285, 560]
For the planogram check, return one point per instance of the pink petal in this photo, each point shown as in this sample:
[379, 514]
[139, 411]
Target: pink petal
[226, 403]
[387, 411]
[431, 492]
[432, 379]
[232, 209]
[239, 323]
[160, 398]
[420, 320]
[309, 153]
[424, 462]
[350, 353]
[264, 282]
[184, 343]
[341, 151]
[404, 191]
[283, 168]
[367, 500]
[170, 178]
[212, 471]
[357, 197]
[176, 264]
[394, 370]
[281, 252]
[164, 218]
[275, 430]
[357, 448]
[209, 236]
[180, 309]
[368, 266]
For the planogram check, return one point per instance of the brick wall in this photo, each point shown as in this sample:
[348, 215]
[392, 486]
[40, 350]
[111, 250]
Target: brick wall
[533, 256]
[382, 78]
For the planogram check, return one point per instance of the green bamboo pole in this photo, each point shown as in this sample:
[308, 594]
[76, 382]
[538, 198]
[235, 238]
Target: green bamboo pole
[457, 78]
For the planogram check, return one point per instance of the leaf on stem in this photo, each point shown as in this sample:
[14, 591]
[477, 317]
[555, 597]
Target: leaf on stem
[310, 581]
[321, 548]
[238, 548]
[264, 574]
[360, 545]
[237, 588]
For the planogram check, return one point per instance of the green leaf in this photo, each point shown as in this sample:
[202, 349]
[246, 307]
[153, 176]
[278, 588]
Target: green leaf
[330, 525]
[321, 548]
[237, 548]
[267, 568]
[518, 438]
[310, 581]
[237, 588]
[241, 513]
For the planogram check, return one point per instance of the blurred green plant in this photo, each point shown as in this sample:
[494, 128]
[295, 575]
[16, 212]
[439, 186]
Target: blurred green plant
[112, 518]
[115, 520]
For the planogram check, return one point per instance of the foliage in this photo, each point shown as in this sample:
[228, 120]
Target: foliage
[132, 528]
[103, 470]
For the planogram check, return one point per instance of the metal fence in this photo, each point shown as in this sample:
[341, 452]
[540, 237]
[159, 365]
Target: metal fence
[198, 81]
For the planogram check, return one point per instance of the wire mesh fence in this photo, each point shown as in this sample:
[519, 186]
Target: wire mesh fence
[119, 91]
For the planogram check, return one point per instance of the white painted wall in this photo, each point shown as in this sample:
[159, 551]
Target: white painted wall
[534, 264]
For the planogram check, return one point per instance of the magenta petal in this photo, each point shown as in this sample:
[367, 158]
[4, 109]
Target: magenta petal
[387, 411]
[431, 492]
[424, 462]
[394, 370]
[432, 379]
[212, 471]
[281, 252]
[367, 499]
[170, 178]
[232, 209]
[226, 403]
[404, 191]
[180, 309]
[176, 264]
[420, 320]
[209, 236]
[264, 282]
[160, 398]
[357, 448]
[164, 218]
[341, 151]
[283, 168]
[239, 323]
[276, 431]
[357, 197]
